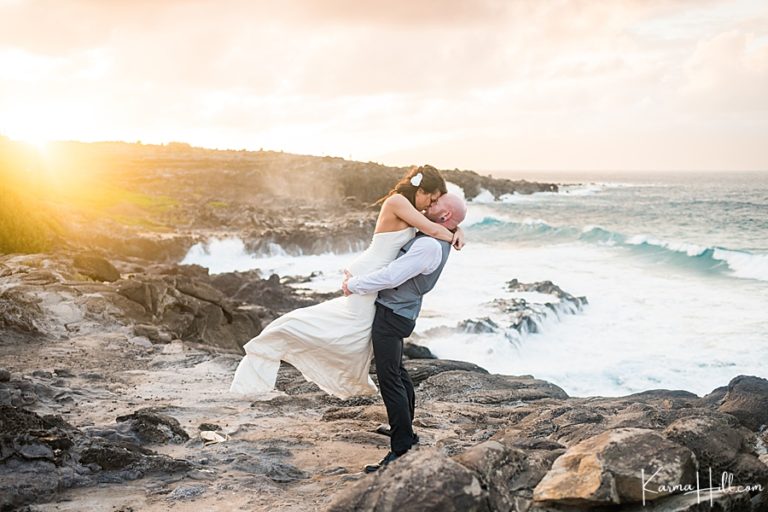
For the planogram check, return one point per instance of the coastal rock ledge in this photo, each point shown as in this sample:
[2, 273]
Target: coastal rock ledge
[488, 442]
[114, 396]
[648, 451]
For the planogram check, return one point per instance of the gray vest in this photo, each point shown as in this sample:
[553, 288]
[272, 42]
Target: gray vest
[405, 300]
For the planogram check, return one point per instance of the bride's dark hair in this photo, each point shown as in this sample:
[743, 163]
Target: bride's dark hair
[431, 182]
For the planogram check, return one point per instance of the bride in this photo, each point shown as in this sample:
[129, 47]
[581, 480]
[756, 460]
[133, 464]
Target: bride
[330, 342]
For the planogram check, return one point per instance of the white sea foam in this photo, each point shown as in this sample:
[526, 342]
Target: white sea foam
[582, 190]
[638, 315]
[744, 265]
[526, 198]
[534, 222]
[220, 255]
[484, 196]
[228, 255]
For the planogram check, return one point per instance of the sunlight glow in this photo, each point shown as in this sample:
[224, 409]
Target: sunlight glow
[41, 145]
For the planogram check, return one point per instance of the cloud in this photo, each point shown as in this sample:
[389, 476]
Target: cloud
[381, 79]
[729, 73]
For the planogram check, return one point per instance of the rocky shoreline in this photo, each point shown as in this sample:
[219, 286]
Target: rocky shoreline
[115, 363]
[113, 392]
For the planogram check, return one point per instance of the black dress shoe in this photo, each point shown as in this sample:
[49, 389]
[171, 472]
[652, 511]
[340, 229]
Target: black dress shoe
[389, 457]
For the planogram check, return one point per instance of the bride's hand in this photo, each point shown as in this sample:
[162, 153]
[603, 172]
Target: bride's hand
[458, 239]
[344, 287]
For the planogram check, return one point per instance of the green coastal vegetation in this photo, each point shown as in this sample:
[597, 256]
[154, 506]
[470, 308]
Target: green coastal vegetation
[46, 193]
[86, 193]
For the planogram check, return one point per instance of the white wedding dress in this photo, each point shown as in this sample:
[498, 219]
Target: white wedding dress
[330, 342]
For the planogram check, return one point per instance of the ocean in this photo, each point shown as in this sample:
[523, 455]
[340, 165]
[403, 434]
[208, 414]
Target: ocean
[674, 267]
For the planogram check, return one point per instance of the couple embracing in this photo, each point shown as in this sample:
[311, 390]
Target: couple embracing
[332, 343]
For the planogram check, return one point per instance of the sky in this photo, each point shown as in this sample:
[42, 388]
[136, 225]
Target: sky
[488, 85]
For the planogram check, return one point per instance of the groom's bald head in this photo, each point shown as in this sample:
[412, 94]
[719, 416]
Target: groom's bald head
[449, 210]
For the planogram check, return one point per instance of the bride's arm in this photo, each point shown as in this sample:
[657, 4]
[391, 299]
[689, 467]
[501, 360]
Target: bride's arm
[404, 210]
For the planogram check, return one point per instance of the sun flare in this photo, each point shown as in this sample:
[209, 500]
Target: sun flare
[41, 145]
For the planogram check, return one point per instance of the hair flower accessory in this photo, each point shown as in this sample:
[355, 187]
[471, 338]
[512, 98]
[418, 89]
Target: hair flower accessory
[416, 180]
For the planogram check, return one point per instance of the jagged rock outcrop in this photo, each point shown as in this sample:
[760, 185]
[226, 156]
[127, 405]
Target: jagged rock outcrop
[426, 480]
[43, 455]
[95, 267]
[152, 426]
[473, 184]
[50, 295]
[747, 400]
[516, 316]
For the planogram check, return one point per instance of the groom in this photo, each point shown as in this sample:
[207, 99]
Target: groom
[401, 286]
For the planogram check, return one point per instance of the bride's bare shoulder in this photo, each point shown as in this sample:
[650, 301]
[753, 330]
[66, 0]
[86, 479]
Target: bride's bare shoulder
[395, 200]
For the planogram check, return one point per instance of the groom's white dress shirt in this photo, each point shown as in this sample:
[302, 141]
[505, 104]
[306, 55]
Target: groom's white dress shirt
[423, 257]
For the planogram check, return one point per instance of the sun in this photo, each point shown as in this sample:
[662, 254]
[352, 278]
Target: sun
[27, 132]
[38, 143]
[41, 145]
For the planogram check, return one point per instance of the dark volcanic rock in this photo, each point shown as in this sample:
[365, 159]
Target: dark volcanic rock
[42, 455]
[292, 382]
[509, 472]
[479, 326]
[149, 293]
[715, 397]
[721, 444]
[545, 287]
[484, 388]
[414, 351]
[126, 244]
[747, 399]
[525, 316]
[151, 426]
[230, 283]
[422, 480]
[472, 183]
[312, 238]
[108, 456]
[269, 293]
[96, 267]
[179, 302]
[421, 369]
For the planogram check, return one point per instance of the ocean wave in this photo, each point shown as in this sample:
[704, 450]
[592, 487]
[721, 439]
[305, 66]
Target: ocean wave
[735, 263]
[484, 197]
[500, 228]
[742, 264]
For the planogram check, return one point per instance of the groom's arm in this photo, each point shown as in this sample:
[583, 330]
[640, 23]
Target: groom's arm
[423, 257]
